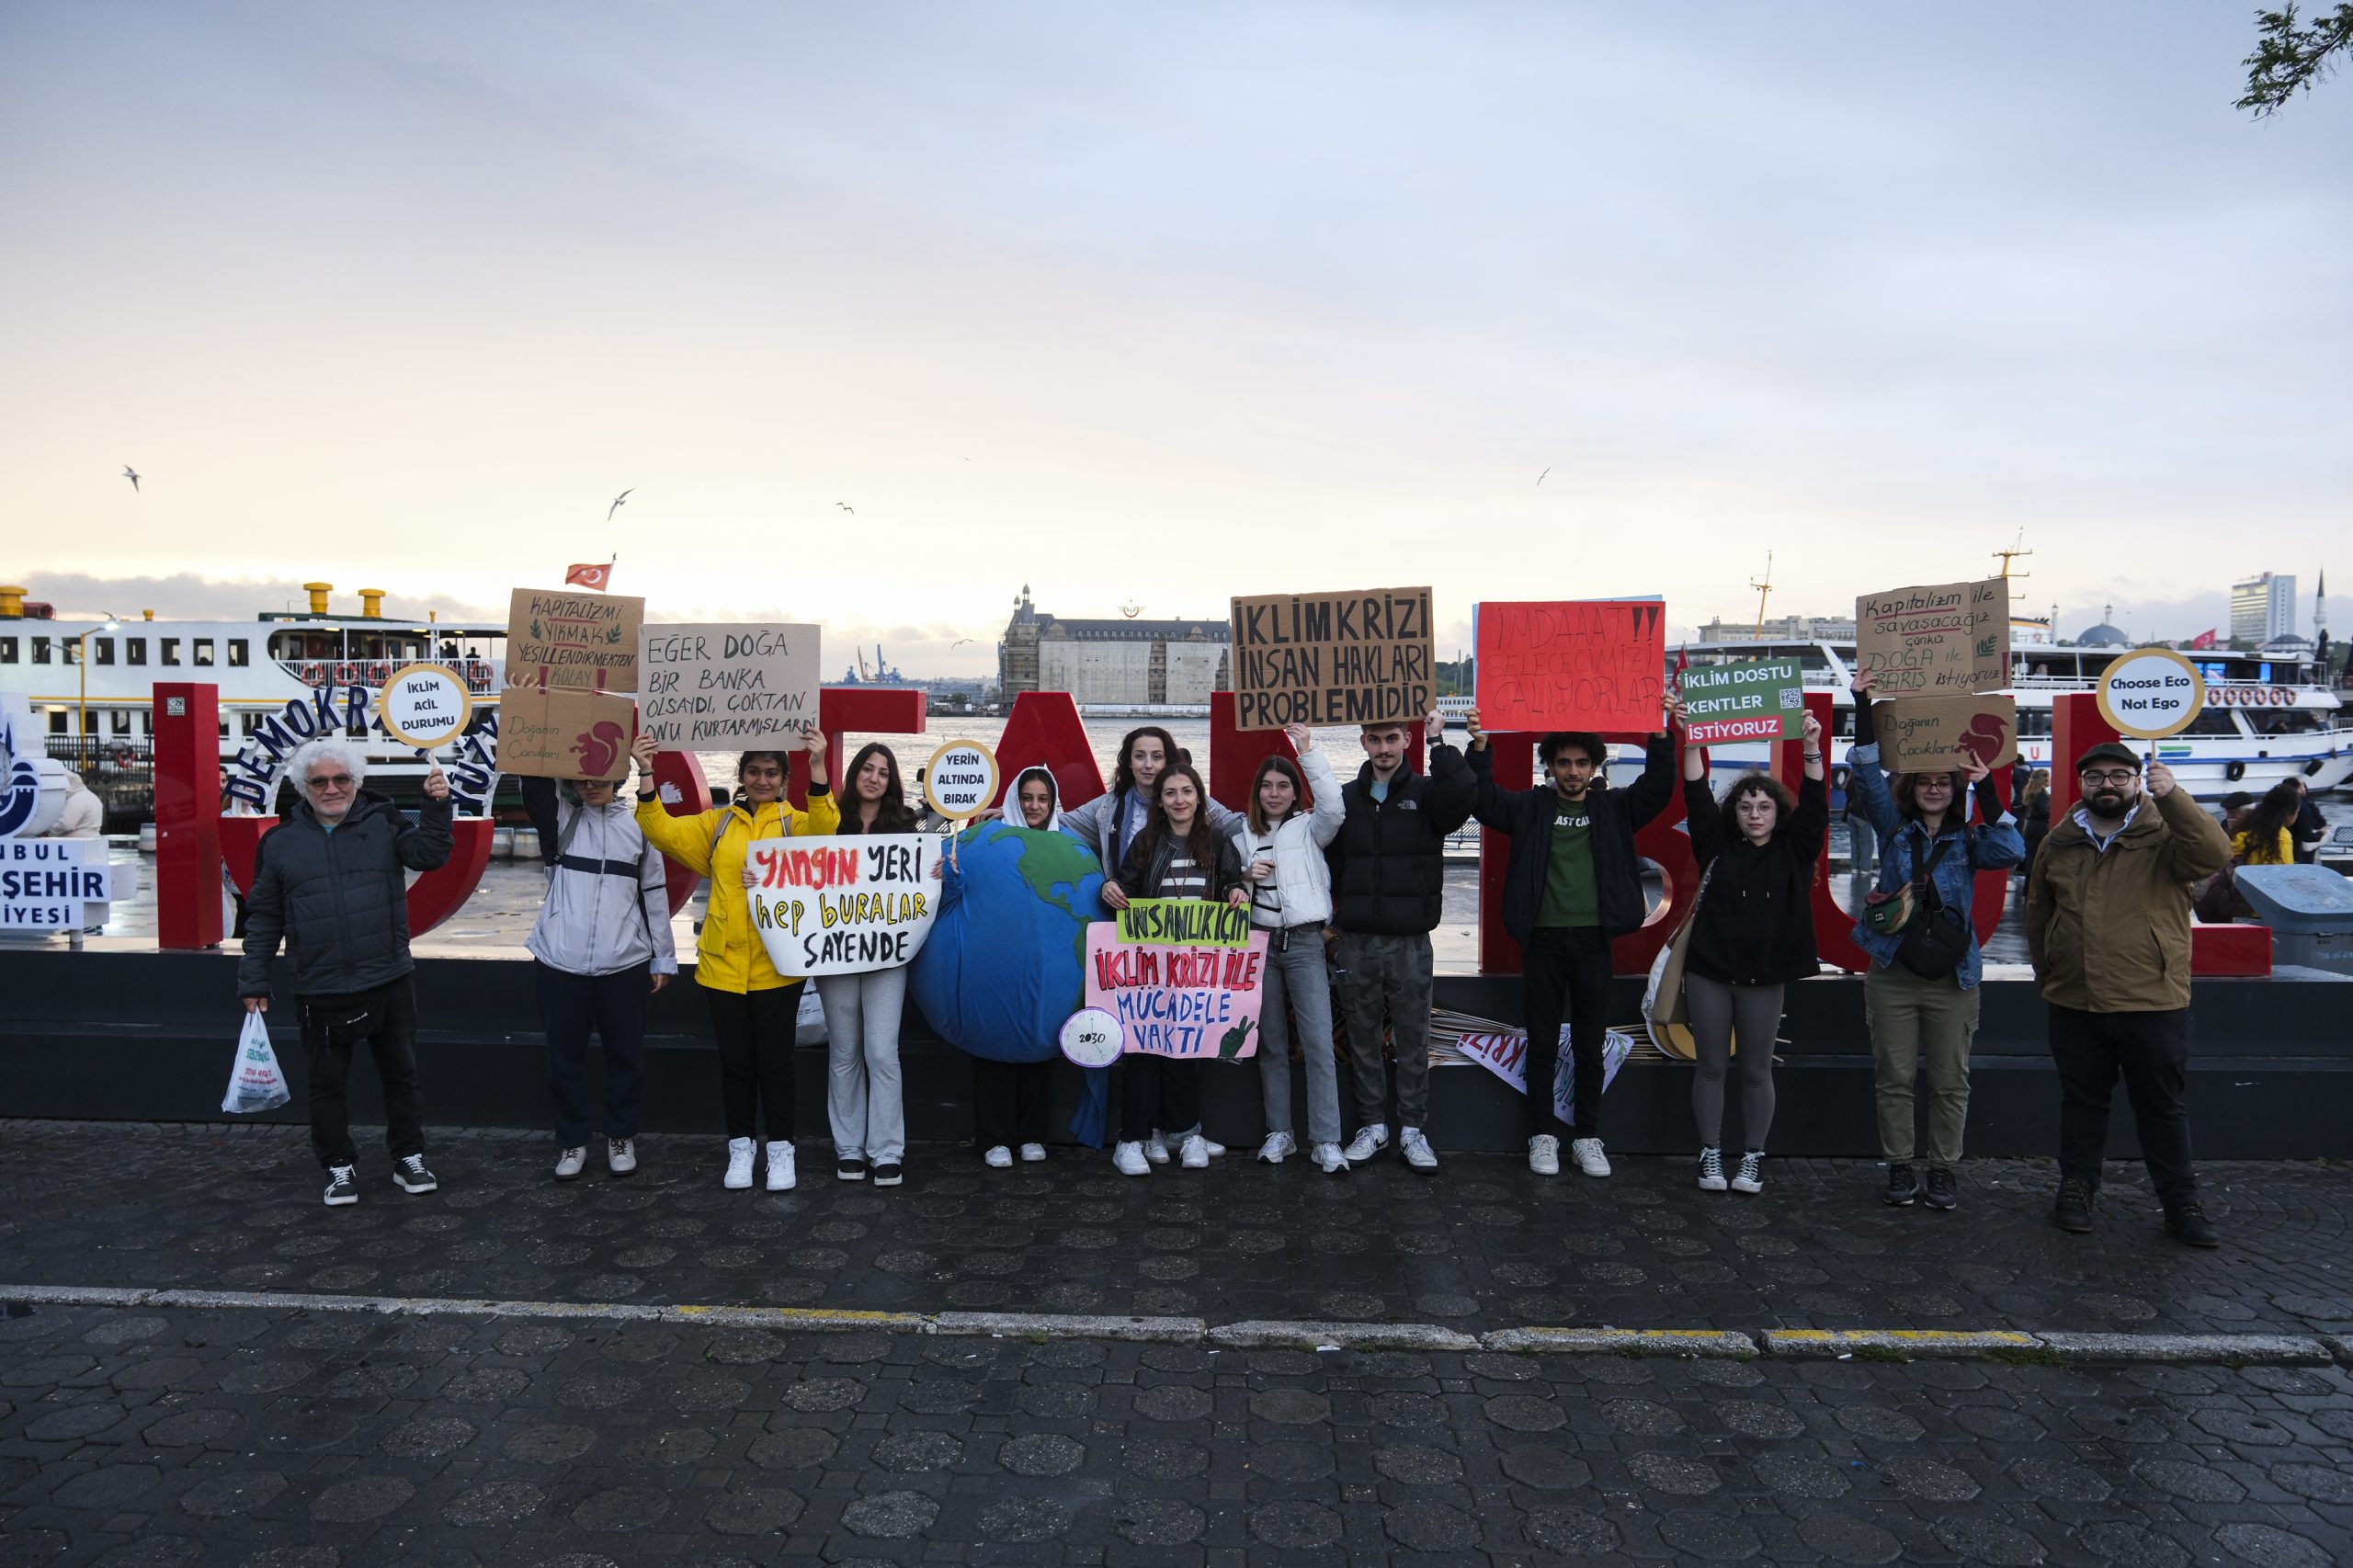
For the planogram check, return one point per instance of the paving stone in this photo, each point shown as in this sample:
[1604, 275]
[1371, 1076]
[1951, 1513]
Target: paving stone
[1157, 1521]
[428, 1438]
[1431, 1526]
[359, 1498]
[758, 1510]
[1569, 1532]
[225, 1493]
[1041, 1454]
[1295, 1526]
[1022, 1521]
[1550, 1469]
[497, 1503]
[621, 1508]
[2268, 1546]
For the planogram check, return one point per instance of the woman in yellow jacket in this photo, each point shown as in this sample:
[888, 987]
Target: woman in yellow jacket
[753, 1008]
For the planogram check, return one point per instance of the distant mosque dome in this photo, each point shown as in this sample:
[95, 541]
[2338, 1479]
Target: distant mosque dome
[2104, 635]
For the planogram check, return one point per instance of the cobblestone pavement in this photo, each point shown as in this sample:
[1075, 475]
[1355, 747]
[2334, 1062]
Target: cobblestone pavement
[249, 1439]
[1482, 1244]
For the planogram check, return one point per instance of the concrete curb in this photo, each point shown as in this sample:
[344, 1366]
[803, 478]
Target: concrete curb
[2340, 1347]
[2273, 1349]
[1275, 1334]
[1828, 1344]
[1069, 1325]
[1624, 1341]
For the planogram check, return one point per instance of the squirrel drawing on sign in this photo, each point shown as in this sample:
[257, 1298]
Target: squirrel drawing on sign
[598, 746]
[1229, 1045]
[1982, 741]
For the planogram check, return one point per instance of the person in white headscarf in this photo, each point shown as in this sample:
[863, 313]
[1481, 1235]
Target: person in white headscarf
[83, 815]
[1009, 1098]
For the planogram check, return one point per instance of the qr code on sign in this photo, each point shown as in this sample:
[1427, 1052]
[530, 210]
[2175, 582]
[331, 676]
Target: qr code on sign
[1792, 696]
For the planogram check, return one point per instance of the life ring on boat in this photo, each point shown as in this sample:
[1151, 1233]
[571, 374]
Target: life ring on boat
[2235, 771]
[347, 675]
[314, 673]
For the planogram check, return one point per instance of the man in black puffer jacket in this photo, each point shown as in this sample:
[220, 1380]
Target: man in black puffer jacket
[1388, 894]
[331, 880]
[1573, 885]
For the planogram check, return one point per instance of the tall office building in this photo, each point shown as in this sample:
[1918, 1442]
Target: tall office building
[2262, 607]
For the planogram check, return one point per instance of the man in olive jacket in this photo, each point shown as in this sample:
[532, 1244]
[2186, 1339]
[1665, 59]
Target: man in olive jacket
[2108, 924]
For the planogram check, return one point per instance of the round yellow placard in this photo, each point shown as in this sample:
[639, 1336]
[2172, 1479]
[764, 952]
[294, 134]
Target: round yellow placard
[2151, 693]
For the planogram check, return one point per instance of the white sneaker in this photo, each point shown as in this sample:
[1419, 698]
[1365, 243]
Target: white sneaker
[999, 1158]
[1328, 1158]
[1751, 1175]
[1212, 1145]
[1032, 1152]
[1712, 1170]
[1194, 1152]
[1590, 1159]
[1130, 1159]
[1155, 1148]
[781, 1174]
[1278, 1147]
[1416, 1148]
[620, 1155]
[1544, 1154]
[570, 1162]
[1370, 1141]
[342, 1185]
[739, 1164]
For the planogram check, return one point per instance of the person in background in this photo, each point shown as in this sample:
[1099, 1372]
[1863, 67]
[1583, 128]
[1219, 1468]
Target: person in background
[1281, 847]
[2266, 836]
[1751, 934]
[2236, 806]
[2310, 828]
[2108, 924]
[2032, 809]
[1573, 885]
[753, 1010]
[1920, 997]
[83, 815]
[1180, 854]
[1009, 1098]
[1388, 894]
[1862, 840]
[865, 1100]
[331, 880]
[600, 946]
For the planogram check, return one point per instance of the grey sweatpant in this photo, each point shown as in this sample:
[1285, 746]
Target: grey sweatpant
[863, 1097]
[1295, 974]
[1385, 988]
[1720, 1014]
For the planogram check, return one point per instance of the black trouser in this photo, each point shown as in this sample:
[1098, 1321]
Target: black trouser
[385, 1018]
[1009, 1102]
[1157, 1091]
[614, 1006]
[756, 1031]
[1565, 968]
[2152, 1053]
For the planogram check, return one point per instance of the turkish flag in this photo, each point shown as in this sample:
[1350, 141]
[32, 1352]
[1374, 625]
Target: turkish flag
[596, 575]
[2204, 638]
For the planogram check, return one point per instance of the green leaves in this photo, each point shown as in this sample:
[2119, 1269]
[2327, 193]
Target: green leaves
[2289, 58]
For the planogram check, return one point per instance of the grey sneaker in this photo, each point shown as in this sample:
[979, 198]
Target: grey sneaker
[570, 1162]
[1278, 1147]
[1712, 1170]
[1416, 1149]
[1590, 1159]
[1370, 1141]
[341, 1187]
[410, 1175]
[1544, 1154]
[620, 1156]
[1329, 1158]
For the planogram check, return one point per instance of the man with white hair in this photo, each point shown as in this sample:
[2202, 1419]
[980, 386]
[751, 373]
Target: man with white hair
[332, 880]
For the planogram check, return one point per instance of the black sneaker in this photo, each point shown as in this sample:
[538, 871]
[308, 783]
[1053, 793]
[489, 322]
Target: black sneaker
[849, 1170]
[409, 1172]
[1940, 1190]
[2186, 1223]
[2073, 1210]
[341, 1188]
[1901, 1187]
[886, 1175]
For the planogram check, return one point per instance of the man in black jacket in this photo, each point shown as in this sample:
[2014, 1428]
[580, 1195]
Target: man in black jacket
[331, 881]
[1572, 885]
[1388, 893]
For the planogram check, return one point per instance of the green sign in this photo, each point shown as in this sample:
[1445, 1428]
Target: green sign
[1184, 923]
[1759, 700]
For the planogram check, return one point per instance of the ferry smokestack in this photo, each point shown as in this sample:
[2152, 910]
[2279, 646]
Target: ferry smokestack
[11, 604]
[146, 615]
[318, 591]
[371, 603]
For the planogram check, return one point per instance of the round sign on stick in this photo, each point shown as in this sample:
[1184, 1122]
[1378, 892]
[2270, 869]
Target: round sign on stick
[425, 706]
[1091, 1038]
[961, 780]
[2151, 693]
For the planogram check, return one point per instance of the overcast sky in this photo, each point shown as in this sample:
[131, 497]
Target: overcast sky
[1155, 304]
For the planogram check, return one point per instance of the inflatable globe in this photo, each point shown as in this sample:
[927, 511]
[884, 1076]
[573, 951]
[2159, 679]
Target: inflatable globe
[1005, 963]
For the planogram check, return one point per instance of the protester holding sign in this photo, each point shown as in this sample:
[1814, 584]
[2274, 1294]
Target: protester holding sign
[753, 1008]
[599, 948]
[1181, 854]
[864, 1100]
[1751, 934]
[1574, 884]
[1009, 1098]
[1920, 995]
[1291, 898]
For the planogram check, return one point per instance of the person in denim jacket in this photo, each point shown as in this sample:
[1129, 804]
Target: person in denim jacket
[1916, 1018]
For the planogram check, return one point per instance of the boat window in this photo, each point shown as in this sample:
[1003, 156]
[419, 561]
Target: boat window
[2212, 722]
[201, 647]
[135, 648]
[41, 650]
[57, 721]
[2034, 723]
[118, 721]
[8, 650]
[2285, 721]
[147, 722]
[105, 650]
[171, 650]
[236, 652]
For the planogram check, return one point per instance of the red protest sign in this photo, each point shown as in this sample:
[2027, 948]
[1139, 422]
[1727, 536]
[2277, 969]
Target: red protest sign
[1572, 664]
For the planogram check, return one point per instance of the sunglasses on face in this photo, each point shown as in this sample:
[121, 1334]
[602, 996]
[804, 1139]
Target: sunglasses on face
[330, 780]
[2113, 775]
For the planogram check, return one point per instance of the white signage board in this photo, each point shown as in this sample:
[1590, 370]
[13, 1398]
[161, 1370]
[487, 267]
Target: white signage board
[961, 780]
[2151, 693]
[54, 884]
[843, 905]
[726, 686]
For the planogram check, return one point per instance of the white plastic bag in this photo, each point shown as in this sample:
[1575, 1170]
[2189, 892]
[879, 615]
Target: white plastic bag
[254, 1082]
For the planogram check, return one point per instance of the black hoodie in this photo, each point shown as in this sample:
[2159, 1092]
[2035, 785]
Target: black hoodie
[340, 899]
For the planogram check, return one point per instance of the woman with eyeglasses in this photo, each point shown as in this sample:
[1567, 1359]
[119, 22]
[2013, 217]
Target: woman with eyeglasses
[1920, 998]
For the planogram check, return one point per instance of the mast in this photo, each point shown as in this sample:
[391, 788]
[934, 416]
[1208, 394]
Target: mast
[2018, 547]
[1763, 591]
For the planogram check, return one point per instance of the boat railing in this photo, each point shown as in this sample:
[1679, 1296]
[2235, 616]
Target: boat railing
[481, 675]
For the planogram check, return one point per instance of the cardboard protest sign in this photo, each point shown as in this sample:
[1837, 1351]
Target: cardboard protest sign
[1922, 734]
[843, 906]
[564, 734]
[1758, 699]
[1573, 665]
[1184, 922]
[961, 780]
[1192, 1003]
[1505, 1053]
[572, 639]
[2151, 693]
[1949, 637]
[1343, 658]
[726, 684]
[425, 706]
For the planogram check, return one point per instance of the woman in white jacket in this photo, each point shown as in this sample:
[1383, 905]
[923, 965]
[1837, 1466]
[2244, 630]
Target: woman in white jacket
[1291, 899]
[600, 946]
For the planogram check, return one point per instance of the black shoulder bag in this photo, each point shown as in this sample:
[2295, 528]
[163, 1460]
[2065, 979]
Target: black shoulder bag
[1936, 938]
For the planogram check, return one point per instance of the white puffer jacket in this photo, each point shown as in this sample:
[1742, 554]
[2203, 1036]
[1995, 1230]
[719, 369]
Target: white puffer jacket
[608, 904]
[1299, 893]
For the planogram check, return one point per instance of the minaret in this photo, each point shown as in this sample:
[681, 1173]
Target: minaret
[2320, 609]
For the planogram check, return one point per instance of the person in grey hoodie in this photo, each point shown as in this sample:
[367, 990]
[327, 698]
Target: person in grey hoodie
[331, 881]
[600, 946]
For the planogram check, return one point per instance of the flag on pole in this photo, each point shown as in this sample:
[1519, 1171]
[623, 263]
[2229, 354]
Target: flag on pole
[1682, 663]
[592, 575]
[2204, 638]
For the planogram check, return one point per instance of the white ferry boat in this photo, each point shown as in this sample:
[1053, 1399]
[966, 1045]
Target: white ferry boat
[261, 667]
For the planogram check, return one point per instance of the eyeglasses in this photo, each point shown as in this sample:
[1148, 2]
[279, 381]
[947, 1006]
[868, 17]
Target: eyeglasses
[2113, 775]
[330, 780]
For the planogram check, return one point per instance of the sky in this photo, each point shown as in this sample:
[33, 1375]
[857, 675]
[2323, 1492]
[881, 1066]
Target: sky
[880, 311]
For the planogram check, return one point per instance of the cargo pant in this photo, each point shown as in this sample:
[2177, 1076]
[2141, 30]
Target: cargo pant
[1919, 1026]
[1384, 985]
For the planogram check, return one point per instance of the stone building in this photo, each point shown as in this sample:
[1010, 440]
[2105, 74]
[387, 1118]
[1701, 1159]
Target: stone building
[1111, 662]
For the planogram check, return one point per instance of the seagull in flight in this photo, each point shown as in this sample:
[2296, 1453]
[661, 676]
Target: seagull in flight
[1539, 478]
[131, 474]
[958, 643]
[846, 508]
[618, 501]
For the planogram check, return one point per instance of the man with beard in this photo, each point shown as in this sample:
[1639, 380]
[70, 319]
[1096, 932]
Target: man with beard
[2108, 923]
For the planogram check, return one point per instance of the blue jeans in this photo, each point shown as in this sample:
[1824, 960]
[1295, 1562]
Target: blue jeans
[1296, 976]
